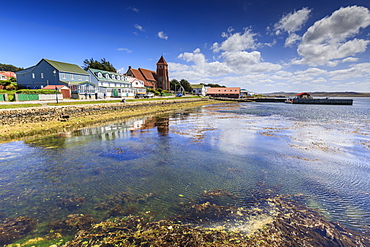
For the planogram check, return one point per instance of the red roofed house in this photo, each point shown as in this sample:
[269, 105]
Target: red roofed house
[303, 95]
[151, 79]
[5, 75]
[227, 92]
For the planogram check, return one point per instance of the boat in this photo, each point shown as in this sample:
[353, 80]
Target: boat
[306, 98]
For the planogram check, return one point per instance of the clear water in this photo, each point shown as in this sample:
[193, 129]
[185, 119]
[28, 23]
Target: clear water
[320, 151]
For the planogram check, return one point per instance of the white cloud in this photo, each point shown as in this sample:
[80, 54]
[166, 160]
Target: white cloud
[292, 22]
[329, 38]
[133, 9]
[137, 26]
[237, 42]
[124, 49]
[241, 57]
[292, 39]
[311, 72]
[121, 70]
[162, 35]
[350, 60]
[357, 70]
[319, 81]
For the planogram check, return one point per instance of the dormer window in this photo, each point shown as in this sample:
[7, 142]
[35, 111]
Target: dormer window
[100, 75]
[107, 76]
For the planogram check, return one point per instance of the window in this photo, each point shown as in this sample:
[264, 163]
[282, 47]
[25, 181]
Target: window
[107, 76]
[80, 77]
[42, 75]
[63, 75]
[100, 75]
[86, 78]
[72, 77]
[33, 75]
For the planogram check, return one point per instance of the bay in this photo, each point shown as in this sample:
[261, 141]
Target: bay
[159, 162]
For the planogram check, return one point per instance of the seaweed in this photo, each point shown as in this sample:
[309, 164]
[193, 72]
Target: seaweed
[12, 229]
[279, 220]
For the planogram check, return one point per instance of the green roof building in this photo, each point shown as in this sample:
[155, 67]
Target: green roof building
[49, 72]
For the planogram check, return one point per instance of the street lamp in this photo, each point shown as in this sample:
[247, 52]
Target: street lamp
[55, 83]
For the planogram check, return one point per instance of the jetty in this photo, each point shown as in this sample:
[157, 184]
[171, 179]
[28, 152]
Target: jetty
[305, 98]
[262, 99]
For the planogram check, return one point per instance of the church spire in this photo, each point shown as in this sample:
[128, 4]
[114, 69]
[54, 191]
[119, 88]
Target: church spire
[162, 74]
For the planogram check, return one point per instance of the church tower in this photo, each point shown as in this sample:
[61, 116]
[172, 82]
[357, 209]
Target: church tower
[162, 74]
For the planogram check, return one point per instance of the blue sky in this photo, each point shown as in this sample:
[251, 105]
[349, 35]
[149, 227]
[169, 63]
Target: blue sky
[262, 46]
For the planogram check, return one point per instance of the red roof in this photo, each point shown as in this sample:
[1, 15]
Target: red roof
[162, 61]
[8, 74]
[300, 94]
[137, 74]
[148, 74]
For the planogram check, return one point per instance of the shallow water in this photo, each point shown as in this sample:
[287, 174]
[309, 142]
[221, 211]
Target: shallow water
[320, 151]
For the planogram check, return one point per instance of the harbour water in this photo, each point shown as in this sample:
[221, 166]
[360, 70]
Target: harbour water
[319, 151]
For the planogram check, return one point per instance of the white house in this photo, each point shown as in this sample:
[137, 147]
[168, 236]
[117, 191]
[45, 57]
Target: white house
[111, 84]
[199, 89]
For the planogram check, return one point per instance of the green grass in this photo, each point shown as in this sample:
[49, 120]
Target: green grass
[18, 106]
[10, 106]
[114, 101]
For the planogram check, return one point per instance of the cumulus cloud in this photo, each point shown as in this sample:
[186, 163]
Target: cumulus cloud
[237, 42]
[329, 39]
[234, 58]
[162, 35]
[292, 39]
[357, 70]
[291, 23]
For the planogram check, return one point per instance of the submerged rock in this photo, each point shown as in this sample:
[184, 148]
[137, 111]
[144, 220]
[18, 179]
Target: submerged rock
[71, 224]
[72, 203]
[12, 229]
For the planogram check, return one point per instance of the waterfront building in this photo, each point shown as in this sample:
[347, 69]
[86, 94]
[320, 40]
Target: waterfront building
[226, 92]
[111, 84]
[151, 79]
[199, 89]
[49, 72]
[138, 86]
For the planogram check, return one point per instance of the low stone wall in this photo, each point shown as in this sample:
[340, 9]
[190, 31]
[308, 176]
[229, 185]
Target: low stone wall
[62, 113]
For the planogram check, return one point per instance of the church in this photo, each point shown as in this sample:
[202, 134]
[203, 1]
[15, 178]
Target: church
[151, 79]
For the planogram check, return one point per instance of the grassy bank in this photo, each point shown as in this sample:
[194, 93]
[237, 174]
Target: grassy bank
[14, 106]
[26, 130]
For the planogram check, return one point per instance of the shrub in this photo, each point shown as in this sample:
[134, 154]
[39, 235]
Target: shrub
[11, 87]
[154, 91]
[11, 97]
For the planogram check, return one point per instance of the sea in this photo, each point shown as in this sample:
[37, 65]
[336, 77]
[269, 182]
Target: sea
[321, 152]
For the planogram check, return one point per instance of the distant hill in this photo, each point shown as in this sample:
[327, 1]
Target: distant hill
[323, 94]
[8, 67]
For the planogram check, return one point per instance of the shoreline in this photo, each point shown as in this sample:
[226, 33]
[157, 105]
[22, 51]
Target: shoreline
[60, 119]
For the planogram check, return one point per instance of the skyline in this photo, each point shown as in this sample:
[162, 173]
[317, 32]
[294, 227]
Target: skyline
[262, 46]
